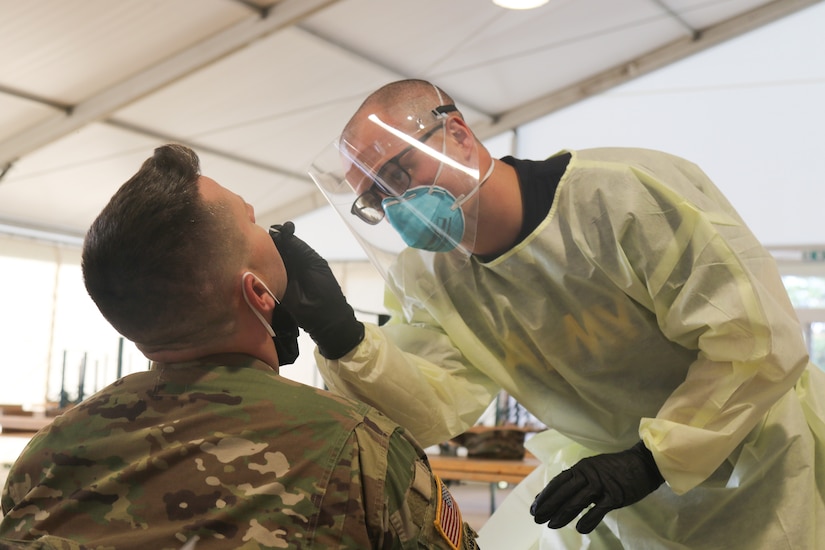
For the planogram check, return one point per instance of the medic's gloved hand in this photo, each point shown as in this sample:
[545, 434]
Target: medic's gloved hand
[609, 481]
[314, 297]
[286, 335]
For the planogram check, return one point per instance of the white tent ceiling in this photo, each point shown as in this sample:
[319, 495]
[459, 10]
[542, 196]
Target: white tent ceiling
[89, 87]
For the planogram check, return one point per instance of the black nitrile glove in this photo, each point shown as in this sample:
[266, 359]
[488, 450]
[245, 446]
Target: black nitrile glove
[314, 297]
[609, 481]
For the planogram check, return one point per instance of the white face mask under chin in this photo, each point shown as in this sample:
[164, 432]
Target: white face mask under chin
[257, 313]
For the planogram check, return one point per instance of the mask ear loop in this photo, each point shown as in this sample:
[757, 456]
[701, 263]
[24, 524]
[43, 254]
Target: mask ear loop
[443, 153]
[438, 93]
[464, 198]
[257, 313]
[440, 114]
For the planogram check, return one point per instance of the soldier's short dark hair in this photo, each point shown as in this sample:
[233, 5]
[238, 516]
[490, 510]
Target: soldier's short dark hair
[153, 259]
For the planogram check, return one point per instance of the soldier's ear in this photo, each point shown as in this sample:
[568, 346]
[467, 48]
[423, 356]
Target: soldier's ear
[257, 293]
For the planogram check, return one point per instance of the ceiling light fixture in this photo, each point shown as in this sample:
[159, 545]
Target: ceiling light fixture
[519, 4]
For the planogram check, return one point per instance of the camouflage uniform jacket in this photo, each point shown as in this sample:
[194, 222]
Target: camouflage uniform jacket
[225, 453]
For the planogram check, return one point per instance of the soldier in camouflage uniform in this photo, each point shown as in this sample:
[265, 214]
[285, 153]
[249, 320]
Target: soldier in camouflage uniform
[212, 448]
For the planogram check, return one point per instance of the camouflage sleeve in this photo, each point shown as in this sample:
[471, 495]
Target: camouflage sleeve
[414, 508]
[46, 542]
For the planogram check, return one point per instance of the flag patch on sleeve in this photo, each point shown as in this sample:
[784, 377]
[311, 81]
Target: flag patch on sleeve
[448, 520]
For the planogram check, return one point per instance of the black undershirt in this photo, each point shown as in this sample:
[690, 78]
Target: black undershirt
[538, 180]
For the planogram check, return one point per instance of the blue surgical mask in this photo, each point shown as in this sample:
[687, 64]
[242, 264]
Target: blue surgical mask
[427, 218]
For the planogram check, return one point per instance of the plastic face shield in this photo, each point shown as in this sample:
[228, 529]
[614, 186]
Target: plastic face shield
[410, 173]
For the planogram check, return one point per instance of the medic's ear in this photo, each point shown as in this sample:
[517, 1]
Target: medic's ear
[458, 130]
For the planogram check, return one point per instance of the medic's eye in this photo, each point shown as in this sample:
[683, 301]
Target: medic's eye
[392, 179]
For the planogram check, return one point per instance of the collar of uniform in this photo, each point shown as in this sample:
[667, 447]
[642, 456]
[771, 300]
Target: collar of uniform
[237, 360]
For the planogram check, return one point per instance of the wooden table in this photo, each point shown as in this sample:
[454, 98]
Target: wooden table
[23, 423]
[492, 471]
[482, 469]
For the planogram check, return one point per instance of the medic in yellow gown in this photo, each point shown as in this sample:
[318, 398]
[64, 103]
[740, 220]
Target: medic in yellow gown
[615, 293]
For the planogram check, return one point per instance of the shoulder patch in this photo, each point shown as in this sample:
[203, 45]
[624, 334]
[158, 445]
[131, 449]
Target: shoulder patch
[448, 520]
